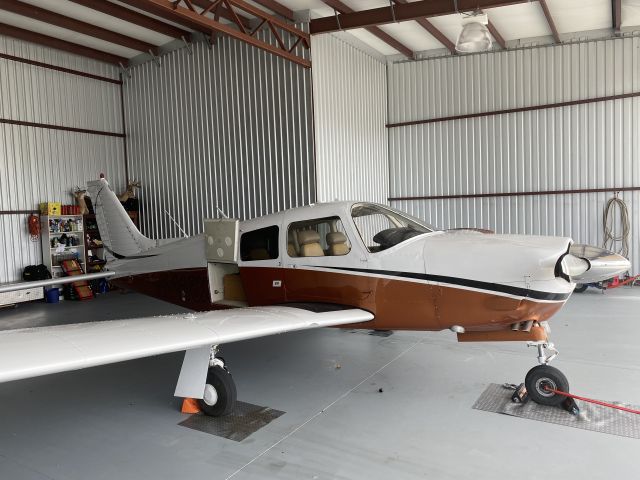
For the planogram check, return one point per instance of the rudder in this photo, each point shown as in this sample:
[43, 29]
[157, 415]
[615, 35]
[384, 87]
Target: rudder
[118, 232]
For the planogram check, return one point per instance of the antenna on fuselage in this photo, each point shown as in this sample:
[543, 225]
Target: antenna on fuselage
[176, 223]
[221, 212]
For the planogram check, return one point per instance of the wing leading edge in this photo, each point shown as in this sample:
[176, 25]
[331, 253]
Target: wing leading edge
[41, 351]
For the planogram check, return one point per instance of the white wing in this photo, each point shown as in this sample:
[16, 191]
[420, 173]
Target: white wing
[14, 287]
[40, 351]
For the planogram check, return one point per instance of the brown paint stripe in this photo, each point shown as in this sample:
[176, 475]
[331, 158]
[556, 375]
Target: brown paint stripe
[515, 110]
[60, 127]
[519, 194]
[59, 69]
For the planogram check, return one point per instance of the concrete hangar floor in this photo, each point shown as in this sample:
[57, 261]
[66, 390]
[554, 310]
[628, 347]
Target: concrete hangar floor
[121, 421]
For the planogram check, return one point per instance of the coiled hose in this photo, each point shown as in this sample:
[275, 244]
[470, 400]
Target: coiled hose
[608, 226]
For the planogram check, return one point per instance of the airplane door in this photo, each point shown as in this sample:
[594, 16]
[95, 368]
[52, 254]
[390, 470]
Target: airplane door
[261, 266]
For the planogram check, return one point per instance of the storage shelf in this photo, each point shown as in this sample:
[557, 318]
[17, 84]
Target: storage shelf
[51, 255]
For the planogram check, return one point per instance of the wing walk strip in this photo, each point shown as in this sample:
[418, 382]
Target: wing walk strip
[463, 282]
[32, 352]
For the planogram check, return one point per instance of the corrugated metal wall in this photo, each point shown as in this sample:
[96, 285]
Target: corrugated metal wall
[228, 126]
[39, 164]
[577, 147]
[350, 113]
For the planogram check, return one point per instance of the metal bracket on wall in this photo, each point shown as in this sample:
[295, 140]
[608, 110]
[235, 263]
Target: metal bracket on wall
[212, 40]
[125, 70]
[187, 45]
[155, 59]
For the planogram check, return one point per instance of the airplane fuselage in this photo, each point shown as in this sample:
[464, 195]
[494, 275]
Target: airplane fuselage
[431, 281]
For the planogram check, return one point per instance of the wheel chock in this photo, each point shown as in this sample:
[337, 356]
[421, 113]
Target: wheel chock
[190, 405]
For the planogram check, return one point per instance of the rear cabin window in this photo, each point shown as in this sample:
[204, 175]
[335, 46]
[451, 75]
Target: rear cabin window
[320, 237]
[259, 244]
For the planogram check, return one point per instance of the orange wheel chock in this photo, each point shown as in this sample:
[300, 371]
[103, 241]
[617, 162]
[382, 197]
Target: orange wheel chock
[190, 405]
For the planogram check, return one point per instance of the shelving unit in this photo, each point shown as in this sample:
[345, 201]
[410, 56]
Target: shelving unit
[55, 230]
[93, 243]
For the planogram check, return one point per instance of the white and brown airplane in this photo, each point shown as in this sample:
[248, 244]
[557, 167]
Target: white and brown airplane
[345, 263]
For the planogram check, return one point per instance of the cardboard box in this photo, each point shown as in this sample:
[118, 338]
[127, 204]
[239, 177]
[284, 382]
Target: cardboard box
[51, 208]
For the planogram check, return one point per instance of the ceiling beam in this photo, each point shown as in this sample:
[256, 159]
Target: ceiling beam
[47, 41]
[437, 34]
[277, 8]
[134, 17]
[616, 11]
[223, 12]
[401, 13]
[496, 35]
[176, 13]
[552, 24]
[340, 7]
[52, 18]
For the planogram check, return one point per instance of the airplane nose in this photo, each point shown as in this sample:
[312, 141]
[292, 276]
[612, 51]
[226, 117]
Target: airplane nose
[602, 264]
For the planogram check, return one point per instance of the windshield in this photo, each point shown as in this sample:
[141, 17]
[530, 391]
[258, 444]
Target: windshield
[382, 227]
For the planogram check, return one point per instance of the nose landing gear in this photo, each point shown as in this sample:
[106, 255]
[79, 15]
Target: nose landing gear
[542, 378]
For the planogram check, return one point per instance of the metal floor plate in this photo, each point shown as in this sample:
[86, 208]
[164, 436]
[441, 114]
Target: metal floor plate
[595, 418]
[245, 420]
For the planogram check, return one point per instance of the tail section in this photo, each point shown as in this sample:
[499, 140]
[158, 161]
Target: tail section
[119, 234]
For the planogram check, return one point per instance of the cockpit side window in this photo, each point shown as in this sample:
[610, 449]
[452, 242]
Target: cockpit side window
[318, 237]
[381, 228]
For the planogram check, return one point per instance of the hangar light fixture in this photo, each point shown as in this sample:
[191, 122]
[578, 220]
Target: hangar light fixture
[475, 36]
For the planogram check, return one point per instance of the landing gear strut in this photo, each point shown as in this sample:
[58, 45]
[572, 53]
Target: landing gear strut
[220, 389]
[542, 378]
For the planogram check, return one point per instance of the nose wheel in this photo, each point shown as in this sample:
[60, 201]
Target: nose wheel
[220, 390]
[543, 379]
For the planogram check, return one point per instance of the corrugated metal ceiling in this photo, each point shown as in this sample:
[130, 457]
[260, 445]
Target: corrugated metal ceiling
[520, 23]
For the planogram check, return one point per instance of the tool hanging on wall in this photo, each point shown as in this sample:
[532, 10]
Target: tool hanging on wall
[33, 222]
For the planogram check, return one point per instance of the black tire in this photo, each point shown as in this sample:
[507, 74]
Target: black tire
[220, 379]
[544, 375]
[580, 287]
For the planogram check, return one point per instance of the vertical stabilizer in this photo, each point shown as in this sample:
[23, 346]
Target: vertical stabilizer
[119, 234]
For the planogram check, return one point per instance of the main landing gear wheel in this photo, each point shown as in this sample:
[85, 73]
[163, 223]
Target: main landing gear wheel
[219, 392]
[542, 377]
[580, 287]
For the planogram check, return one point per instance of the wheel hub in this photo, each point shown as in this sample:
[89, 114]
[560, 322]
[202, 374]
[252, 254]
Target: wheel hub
[544, 386]
[210, 396]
